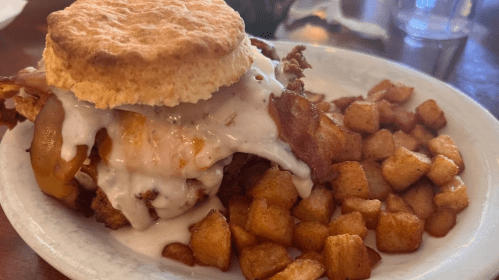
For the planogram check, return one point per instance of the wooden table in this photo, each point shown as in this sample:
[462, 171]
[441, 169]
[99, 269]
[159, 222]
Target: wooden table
[22, 43]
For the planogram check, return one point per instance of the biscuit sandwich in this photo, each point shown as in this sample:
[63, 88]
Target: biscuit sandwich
[140, 107]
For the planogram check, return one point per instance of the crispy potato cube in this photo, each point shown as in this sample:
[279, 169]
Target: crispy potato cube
[276, 187]
[270, 222]
[338, 118]
[263, 260]
[399, 232]
[420, 198]
[242, 238]
[376, 96]
[395, 203]
[369, 209]
[343, 102]
[310, 236]
[404, 167]
[398, 93]
[346, 258]
[402, 139]
[179, 252]
[381, 86]
[442, 170]
[378, 145]
[317, 207]
[351, 181]
[395, 92]
[239, 209]
[362, 116]
[374, 257]
[441, 222]
[378, 186]
[210, 241]
[351, 223]
[313, 255]
[352, 150]
[406, 121]
[430, 114]
[301, 269]
[452, 195]
[444, 145]
[386, 112]
[421, 134]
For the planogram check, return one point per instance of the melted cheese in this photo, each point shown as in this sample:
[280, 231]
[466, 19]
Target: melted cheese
[165, 149]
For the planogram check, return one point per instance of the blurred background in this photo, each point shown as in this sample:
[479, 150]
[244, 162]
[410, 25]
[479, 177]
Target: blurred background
[470, 64]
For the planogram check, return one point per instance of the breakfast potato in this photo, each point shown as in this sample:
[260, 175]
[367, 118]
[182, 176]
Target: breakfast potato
[395, 203]
[179, 252]
[452, 195]
[442, 170]
[381, 86]
[399, 93]
[378, 186]
[346, 258]
[362, 116]
[374, 257]
[263, 260]
[404, 168]
[422, 134]
[239, 209]
[399, 232]
[369, 208]
[351, 223]
[420, 198]
[242, 238]
[313, 255]
[276, 187]
[394, 92]
[406, 121]
[386, 112]
[338, 118]
[310, 236]
[351, 181]
[441, 222]
[301, 269]
[270, 222]
[343, 102]
[378, 145]
[317, 207]
[352, 150]
[444, 145]
[430, 114]
[376, 96]
[211, 242]
[402, 139]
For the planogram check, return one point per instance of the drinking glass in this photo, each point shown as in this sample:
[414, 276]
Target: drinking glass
[430, 35]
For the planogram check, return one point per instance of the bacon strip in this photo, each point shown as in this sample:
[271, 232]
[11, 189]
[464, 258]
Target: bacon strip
[313, 137]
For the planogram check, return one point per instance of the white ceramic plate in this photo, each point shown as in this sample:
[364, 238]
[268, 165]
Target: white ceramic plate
[82, 249]
[9, 9]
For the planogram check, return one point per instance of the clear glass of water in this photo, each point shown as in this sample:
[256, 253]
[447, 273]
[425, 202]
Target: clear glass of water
[430, 35]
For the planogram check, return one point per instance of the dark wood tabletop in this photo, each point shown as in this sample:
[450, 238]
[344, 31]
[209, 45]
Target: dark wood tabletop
[22, 43]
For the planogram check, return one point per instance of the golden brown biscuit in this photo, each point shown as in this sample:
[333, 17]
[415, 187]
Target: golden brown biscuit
[153, 52]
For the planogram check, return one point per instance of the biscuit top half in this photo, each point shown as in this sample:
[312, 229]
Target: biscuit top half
[153, 52]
